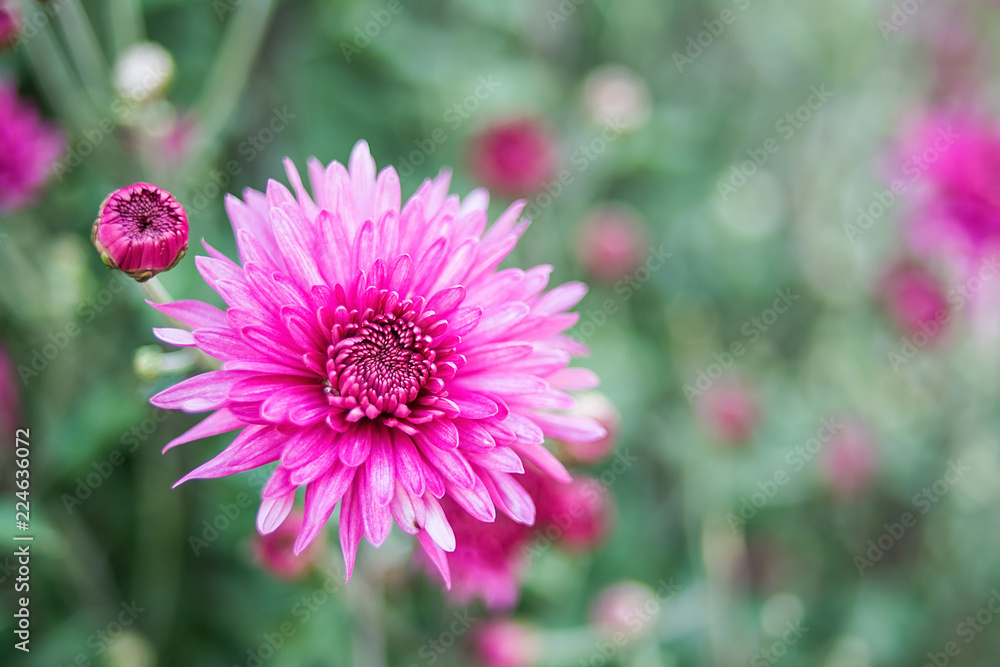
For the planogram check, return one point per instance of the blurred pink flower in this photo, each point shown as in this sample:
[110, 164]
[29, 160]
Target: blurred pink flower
[597, 406]
[612, 242]
[514, 157]
[582, 511]
[914, 298]
[380, 357]
[10, 398]
[488, 560]
[851, 461]
[506, 643]
[729, 411]
[957, 158]
[10, 23]
[623, 607]
[29, 148]
[141, 230]
[275, 551]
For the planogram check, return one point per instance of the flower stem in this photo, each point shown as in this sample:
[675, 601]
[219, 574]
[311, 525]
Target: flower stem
[127, 26]
[155, 290]
[224, 85]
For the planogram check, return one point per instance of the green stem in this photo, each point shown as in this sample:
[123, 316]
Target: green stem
[127, 25]
[155, 290]
[55, 76]
[224, 86]
[86, 52]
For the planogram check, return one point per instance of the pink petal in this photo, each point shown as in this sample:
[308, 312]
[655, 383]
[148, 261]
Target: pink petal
[195, 314]
[322, 497]
[199, 393]
[272, 512]
[220, 421]
[437, 556]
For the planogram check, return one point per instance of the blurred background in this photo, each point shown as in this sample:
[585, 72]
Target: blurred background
[786, 213]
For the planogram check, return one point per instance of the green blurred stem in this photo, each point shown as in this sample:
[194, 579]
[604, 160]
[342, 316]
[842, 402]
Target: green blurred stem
[55, 76]
[85, 51]
[225, 83]
[366, 603]
[127, 25]
[155, 290]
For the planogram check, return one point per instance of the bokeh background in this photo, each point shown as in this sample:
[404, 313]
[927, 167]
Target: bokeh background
[790, 483]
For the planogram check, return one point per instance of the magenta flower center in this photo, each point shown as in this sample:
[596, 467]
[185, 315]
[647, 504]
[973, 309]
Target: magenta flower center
[145, 213]
[379, 362]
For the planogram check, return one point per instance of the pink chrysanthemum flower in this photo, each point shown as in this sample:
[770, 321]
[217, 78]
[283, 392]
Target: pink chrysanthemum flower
[376, 354]
[29, 148]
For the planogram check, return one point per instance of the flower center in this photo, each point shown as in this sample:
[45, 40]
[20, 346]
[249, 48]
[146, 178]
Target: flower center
[145, 212]
[380, 364]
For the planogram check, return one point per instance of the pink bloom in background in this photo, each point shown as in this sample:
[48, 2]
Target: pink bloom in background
[597, 406]
[10, 398]
[851, 460]
[612, 242]
[377, 354]
[29, 148]
[506, 643]
[141, 230]
[581, 510]
[515, 157]
[489, 558]
[958, 161]
[10, 23]
[729, 411]
[627, 607]
[275, 551]
[914, 298]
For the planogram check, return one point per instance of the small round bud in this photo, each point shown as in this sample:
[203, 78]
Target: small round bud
[141, 230]
[144, 70]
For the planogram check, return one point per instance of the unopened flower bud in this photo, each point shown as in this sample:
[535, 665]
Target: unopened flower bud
[144, 70]
[141, 230]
